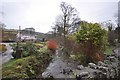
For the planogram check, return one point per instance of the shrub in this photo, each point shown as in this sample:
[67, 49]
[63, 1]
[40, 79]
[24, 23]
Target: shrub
[43, 50]
[92, 39]
[24, 50]
[30, 48]
[29, 67]
[52, 45]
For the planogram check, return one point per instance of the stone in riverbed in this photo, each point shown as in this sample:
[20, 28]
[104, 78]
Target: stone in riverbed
[83, 74]
[101, 75]
[111, 58]
[46, 74]
[107, 62]
[115, 55]
[80, 67]
[96, 74]
[112, 73]
[92, 65]
[100, 63]
[102, 68]
[67, 70]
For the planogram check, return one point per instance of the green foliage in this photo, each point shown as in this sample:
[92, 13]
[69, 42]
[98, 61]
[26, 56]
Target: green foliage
[92, 33]
[15, 68]
[30, 48]
[27, 49]
[92, 41]
[43, 50]
[28, 67]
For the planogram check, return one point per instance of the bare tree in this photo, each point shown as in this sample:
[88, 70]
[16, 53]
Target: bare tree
[68, 21]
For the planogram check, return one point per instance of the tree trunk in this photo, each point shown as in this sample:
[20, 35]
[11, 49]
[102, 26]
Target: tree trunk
[64, 32]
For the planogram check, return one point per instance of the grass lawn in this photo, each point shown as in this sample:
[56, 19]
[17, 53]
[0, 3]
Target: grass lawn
[3, 48]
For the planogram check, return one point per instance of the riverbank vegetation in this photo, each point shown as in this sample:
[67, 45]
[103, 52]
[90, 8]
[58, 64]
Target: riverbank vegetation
[89, 42]
[27, 66]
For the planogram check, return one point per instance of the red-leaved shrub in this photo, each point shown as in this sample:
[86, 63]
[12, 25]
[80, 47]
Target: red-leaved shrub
[51, 44]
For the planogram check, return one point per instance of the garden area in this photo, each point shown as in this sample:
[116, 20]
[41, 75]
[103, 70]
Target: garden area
[74, 49]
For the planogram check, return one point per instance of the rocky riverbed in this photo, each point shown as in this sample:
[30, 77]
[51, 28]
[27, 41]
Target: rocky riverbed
[61, 68]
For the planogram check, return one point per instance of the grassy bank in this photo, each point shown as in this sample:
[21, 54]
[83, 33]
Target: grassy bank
[15, 68]
[27, 67]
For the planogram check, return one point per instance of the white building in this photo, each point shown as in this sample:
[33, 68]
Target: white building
[26, 34]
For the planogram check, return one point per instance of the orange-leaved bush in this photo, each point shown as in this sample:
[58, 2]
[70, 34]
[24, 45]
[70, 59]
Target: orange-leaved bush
[51, 44]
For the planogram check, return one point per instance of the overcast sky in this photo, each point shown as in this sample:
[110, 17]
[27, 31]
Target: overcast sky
[41, 14]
